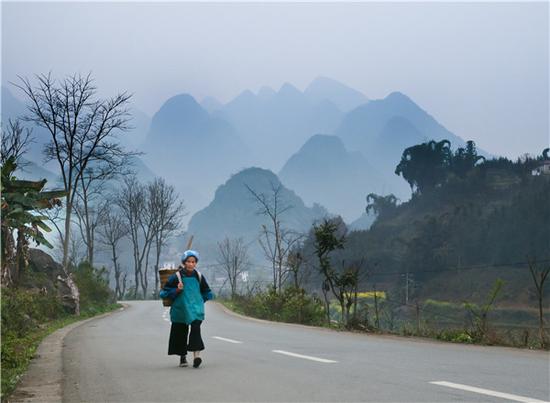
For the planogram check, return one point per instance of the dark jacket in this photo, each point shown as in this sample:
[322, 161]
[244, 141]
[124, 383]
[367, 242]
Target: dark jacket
[188, 304]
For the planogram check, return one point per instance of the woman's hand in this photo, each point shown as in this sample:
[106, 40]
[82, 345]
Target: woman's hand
[180, 286]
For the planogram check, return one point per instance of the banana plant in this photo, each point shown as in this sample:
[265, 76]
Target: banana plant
[21, 200]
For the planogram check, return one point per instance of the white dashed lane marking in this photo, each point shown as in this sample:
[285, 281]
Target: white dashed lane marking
[487, 392]
[305, 357]
[227, 340]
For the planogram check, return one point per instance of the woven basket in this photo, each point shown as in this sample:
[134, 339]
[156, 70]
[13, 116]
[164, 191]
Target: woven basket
[164, 274]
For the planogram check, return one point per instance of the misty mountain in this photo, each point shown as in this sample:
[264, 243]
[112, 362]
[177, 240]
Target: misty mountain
[343, 97]
[382, 129]
[193, 150]
[361, 128]
[234, 212]
[363, 223]
[275, 124]
[13, 108]
[325, 172]
[266, 93]
[211, 104]
[134, 138]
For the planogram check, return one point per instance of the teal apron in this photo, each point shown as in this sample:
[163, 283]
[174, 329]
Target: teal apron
[188, 305]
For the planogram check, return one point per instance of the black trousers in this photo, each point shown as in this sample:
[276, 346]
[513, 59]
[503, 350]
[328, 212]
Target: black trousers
[179, 344]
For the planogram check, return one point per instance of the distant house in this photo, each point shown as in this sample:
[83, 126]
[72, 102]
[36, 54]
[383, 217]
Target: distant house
[543, 168]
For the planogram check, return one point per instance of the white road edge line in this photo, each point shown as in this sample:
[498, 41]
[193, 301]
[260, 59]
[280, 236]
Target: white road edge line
[228, 340]
[487, 392]
[305, 357]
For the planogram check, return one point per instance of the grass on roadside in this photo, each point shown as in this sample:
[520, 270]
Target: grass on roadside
[19, 342]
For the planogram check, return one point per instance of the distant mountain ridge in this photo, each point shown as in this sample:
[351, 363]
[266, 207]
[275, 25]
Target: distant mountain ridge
[289, 131]
[234, 212]
[276, 123]
[324, 171]
[343, 97]
[194, 150]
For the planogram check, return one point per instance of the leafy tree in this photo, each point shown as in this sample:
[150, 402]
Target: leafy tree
[381, 205]
[464, 159]
[425, 166]
[341, 284]
[19, 200]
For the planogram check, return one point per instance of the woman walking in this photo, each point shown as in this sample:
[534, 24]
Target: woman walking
[189, 291]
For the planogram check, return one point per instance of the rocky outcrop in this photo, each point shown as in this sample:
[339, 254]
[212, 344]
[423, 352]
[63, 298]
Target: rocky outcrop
[45, 274]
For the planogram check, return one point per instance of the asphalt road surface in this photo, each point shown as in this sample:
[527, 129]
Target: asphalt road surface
[123, 358]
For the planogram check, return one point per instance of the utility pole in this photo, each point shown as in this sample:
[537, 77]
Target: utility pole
[407, 287]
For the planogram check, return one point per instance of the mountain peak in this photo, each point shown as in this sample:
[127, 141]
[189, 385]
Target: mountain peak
[397, 96]
[181, 101]
[323, 142]
[344, 97]
[288, 88]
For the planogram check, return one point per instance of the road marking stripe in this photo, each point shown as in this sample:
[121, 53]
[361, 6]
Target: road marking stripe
[228, 340]
[487, 392]
[306, 357]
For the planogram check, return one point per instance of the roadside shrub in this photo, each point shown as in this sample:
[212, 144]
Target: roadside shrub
[24, 313]
[456, 336]
[292, 305]
[23, 310]
[93, 285]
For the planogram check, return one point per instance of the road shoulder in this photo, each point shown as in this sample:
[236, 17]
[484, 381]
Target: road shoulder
[43, 380]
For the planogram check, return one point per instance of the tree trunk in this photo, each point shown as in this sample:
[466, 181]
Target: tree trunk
[541, 321]
[145, 283]
[67, 234]
[117, 273]
[327, 304]
[157, 260]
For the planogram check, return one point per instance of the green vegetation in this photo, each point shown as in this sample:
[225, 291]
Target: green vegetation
[20, 202]
[475, 229]
[292, 305]
[30, 314]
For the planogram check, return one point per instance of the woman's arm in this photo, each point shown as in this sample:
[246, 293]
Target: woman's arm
[170, 289]
[206, 292]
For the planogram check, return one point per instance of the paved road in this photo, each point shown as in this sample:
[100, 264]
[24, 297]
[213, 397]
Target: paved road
[122, 358]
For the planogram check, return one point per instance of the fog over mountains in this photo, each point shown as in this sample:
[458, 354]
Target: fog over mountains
[329, 144]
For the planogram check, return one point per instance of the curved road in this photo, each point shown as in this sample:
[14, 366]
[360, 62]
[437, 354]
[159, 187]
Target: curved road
[122, 358]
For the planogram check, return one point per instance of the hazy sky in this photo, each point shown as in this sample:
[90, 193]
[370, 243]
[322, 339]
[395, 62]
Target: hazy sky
[481, 69]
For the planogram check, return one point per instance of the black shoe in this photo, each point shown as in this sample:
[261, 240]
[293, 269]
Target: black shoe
[183, 361]
[196, 362]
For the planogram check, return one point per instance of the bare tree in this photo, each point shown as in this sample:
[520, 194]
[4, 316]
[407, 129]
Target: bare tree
[295, 262]
[90, 203]
[15, 142]
[132, 199]
[167, 211]
[276, 241]
[233, 259]
[89, 218]
[81, 126]
[77, 250]
[539, 275]
[111, 233]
